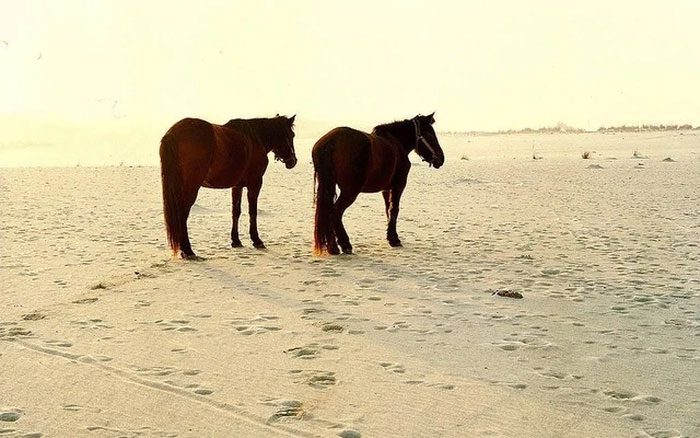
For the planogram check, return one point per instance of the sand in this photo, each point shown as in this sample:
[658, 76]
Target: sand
[103, 334]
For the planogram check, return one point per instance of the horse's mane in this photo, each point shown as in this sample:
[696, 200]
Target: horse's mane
[392, 126]
[259, 129]
[399, 130]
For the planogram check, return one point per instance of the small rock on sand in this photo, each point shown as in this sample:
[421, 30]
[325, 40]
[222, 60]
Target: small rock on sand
[349, 433]
[669, 160]
[508, 293]
[595, 166]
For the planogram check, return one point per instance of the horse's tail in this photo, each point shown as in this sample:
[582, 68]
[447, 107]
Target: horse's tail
[172, 188]
[324, 194]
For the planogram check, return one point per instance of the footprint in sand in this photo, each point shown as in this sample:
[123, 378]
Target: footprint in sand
[33, 316]
[309, 351]
[180, 383]
[13, 332]
[91, 324]
[312, 313]
[314, 378]
[349, 433]
[332, 328]
[257, 325]
[284, 408]
[85, 301]
[203, 391]
[393, 367]
[10, 415]
[554, 374]
[79, 408]
[57, 343]
[620, 394]
[179, 325]
[398, 325]
[142, 303]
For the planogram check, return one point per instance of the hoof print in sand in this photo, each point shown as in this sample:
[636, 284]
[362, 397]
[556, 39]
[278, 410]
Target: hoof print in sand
[10, 415]
[285, 409]
[309, 351]
[85, 301]
[33, 316]
[14, 332]
[314, 378]
[393, 367]
[255, 326]
[178, 325]
[332, 328]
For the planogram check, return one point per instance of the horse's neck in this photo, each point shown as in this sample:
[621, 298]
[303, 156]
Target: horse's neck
[256, 140]
[405, 140]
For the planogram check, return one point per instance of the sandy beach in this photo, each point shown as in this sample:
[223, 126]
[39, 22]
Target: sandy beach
[104, 334]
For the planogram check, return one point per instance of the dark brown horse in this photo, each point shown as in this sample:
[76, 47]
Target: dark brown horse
[359, 162]
[195, 153]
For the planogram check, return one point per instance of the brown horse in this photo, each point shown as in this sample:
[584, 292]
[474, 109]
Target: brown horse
[195, 153]
[360, 162]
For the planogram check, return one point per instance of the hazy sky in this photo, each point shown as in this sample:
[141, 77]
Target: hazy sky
[480, 65]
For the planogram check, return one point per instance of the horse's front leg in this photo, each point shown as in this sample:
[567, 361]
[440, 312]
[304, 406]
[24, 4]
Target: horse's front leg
[393, 214]
[236, 194]
[253, 192]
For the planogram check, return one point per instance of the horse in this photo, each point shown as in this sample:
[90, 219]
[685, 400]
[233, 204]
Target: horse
[195, 153]
[358, 162]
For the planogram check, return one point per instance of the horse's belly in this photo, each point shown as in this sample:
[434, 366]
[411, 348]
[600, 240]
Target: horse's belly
[379, 176]
[375, 185]
[223, 178]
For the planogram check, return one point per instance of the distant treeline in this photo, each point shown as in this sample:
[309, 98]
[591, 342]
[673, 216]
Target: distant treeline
[644, 128]
[564, 129]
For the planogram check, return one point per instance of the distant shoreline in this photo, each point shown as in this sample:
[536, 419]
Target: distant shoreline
[563, 129]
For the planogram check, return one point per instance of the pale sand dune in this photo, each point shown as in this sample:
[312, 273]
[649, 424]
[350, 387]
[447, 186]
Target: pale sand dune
[105, 335]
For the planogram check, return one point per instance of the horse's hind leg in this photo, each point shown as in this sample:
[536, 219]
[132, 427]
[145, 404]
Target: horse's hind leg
[236, 194]
[187, 202]
[346, 198]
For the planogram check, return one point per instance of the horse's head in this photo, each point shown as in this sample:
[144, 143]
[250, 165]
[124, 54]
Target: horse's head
[283, 141]
[427, 144]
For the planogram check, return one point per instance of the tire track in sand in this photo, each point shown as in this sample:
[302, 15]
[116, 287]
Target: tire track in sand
[191, 397]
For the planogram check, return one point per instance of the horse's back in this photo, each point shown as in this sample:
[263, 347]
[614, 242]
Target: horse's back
[234, 157]
[343, 139]
[361, 161]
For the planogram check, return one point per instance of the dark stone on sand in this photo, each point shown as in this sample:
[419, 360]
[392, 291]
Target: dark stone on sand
[507, 293]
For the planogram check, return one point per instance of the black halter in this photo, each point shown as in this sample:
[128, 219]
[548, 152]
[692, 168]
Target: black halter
[419, 137]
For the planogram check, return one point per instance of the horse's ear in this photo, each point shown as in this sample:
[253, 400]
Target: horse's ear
[291, 119]
[431, 119]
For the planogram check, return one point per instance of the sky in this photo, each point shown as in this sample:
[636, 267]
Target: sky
[480, 65]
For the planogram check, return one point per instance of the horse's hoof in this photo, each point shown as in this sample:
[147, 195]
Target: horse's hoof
[333, 250]
[395, 243]
[259, 245]
[191, 257]
[347, 249]
[236, 244]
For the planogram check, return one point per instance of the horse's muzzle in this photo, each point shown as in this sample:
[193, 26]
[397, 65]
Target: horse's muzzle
[438, 162]
[290, 162]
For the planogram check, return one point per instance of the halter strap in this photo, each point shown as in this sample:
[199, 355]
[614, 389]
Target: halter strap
[419, 137]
